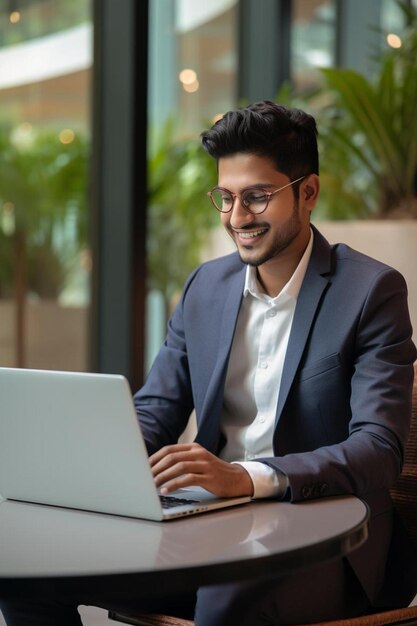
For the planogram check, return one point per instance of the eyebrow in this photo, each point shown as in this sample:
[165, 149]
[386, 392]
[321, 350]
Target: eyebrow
[265, 186]
[259, 186]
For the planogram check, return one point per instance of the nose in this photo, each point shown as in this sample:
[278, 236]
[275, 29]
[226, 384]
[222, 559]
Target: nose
[239, 216]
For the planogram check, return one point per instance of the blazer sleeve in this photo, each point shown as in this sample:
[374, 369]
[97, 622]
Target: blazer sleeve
[379, 407]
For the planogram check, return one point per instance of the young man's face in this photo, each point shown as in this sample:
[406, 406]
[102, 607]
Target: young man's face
[285, 225]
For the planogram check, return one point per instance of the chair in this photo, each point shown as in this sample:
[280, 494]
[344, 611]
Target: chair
[404, 495]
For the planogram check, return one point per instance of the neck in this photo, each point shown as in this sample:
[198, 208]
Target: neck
[275, 273]
[273, 279]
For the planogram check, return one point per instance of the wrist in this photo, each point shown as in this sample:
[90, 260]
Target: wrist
[246, 486]
[267, 482]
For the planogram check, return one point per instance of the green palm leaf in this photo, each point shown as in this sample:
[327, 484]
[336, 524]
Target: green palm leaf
[361, 103]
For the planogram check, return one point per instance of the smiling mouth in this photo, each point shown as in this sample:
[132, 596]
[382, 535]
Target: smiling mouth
[250, 234]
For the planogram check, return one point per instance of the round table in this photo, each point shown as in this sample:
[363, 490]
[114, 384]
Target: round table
[44, 548]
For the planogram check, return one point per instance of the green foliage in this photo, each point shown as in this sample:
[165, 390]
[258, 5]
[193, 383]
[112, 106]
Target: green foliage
[42, 200]
[43, 196]
[369, 135]
[180, 215]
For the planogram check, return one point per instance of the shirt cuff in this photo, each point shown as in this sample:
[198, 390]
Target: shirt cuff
[267, 482]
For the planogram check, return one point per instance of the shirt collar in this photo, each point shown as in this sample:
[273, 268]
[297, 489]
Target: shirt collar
[291, 288]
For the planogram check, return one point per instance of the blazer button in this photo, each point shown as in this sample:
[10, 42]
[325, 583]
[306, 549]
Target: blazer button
[306, 491]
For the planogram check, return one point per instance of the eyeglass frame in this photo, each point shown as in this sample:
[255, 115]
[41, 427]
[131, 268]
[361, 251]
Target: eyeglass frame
[268, 194]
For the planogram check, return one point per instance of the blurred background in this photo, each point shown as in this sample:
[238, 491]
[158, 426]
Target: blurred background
[103, 206]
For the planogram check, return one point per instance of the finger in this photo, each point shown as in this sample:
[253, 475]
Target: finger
[166, 450]
[180, 469]
[186, 480]
[178, 456]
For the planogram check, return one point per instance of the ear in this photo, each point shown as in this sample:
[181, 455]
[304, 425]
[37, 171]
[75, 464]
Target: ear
[310, 189]
[309, 192]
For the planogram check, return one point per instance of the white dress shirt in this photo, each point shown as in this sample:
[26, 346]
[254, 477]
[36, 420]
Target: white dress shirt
[254, 377]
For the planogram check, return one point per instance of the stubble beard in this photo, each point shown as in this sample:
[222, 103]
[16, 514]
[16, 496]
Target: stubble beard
[284, 238]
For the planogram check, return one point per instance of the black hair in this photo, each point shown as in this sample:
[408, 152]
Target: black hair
[288, 137]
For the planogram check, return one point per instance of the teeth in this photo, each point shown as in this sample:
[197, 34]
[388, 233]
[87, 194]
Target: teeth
[252, 234]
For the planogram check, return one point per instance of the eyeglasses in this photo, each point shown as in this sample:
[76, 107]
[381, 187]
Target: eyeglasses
[253, 199]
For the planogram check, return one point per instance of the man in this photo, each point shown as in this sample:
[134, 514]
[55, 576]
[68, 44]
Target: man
[297, 358]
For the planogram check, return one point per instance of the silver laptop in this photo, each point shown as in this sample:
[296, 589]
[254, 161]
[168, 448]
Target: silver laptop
[73, 440]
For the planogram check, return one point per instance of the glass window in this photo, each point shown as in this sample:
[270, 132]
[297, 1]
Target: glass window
[207, 42]
[392, 23]
[45, 73]
[193, 77]
[313, 41]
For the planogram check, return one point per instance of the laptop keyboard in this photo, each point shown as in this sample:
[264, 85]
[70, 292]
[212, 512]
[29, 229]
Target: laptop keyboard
[168, 502]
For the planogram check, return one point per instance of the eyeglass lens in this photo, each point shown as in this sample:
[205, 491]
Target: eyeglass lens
[254, 200]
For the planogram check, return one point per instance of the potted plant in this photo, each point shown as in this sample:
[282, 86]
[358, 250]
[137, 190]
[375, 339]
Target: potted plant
[42, 189]
[369, 134]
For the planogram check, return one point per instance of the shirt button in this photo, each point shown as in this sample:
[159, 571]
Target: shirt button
[262, 419]
[271, 313]
[263, 365]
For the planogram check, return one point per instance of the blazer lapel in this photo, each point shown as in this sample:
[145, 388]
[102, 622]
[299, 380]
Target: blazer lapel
[311, 292]
[208, 431]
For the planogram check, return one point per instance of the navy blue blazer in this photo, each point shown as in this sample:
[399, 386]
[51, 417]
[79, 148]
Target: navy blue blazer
[344, 405]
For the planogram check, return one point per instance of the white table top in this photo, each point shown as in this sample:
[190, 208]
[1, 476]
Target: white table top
[40, 544]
